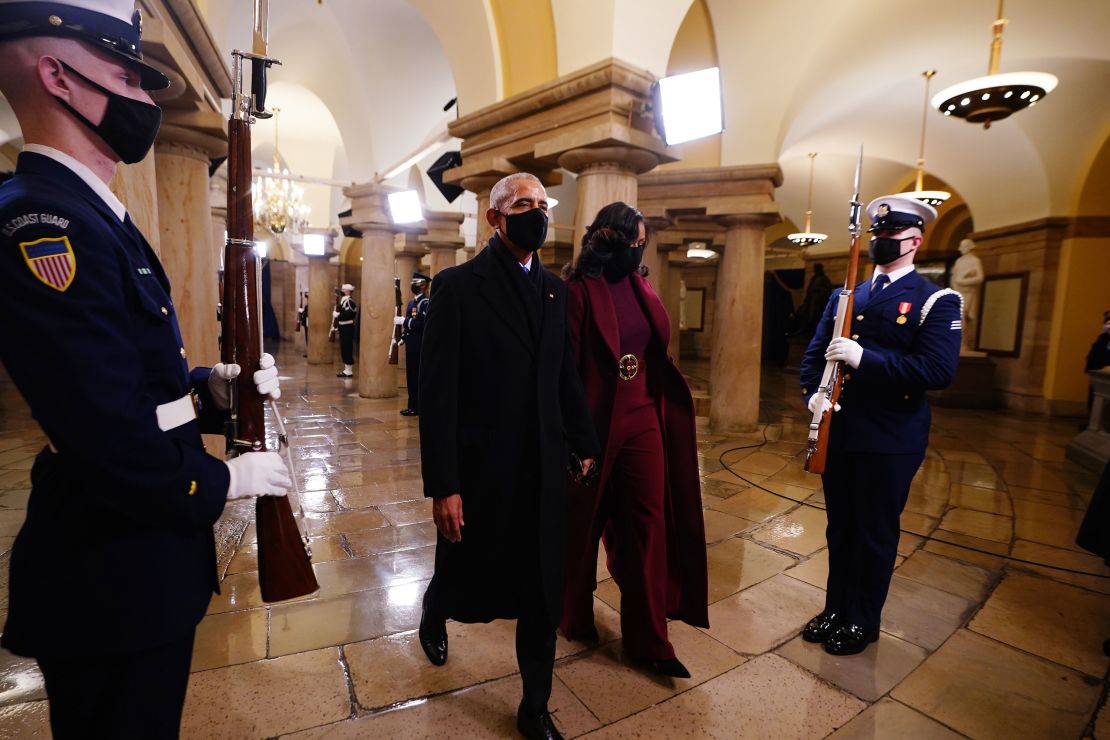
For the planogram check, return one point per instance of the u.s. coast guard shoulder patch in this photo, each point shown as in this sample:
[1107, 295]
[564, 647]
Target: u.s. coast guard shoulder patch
[51, 260]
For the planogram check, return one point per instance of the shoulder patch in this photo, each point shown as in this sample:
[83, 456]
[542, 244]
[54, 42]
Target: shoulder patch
[51, 260]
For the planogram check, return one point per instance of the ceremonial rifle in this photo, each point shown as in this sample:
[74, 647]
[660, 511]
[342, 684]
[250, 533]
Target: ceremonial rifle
[284, 558]
[833, 377]
[395, 342]
[300, 312]
[335, 316]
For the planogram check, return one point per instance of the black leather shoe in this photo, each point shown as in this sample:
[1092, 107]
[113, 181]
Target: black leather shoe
[669, 667]
[536, 725]
[409, 412]
[821, 626]
[433, 638]
[849, 639]
[342, 374]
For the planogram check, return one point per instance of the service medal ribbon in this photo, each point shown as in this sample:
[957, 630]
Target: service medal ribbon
[904, 308]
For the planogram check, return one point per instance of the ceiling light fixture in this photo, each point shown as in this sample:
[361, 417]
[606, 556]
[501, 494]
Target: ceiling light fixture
[932, 197]
[699, 251]
[994, 97]
[278, 201]
[808, 237]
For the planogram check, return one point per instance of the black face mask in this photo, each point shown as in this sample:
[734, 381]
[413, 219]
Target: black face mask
[885, 250]
[128, 127]
[622, 263]
[527, 230]
[417, 288]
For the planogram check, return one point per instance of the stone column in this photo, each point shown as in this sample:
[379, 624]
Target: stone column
[605, 174]
[443, 239]
[185, 233]
[480, 185]
[653, 252]
[737, 327]
[135, 185]
[408, 258]
[370, 215]
[321, 302]
[661, 278]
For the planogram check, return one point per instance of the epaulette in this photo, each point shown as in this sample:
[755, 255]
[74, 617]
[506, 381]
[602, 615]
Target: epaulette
[934, 298]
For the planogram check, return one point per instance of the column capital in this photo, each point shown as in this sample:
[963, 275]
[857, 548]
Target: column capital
[411, 245]
[712, 192]
[622, 159]
[200, 134]
[370, 208]
[748, 220]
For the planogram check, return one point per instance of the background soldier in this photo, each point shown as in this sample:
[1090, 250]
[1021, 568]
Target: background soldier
[346, 313]
[123, 497]
[905, 341]
[415, 313]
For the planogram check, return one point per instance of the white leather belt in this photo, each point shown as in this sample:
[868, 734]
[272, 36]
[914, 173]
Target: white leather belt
[176, 413]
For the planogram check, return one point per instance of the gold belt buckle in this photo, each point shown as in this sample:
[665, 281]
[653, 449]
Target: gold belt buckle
[628, 367]
[195, 398]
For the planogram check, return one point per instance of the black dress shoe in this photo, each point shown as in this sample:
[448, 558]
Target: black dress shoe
[409, 412]
[342, 374]
[433, 638]
[669, 667]
[849, 639]
[821, 626]
[536, 725]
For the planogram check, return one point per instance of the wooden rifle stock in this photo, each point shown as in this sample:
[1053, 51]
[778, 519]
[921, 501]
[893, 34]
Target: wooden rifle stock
[395, 343]
[284, 563]
[832, 379]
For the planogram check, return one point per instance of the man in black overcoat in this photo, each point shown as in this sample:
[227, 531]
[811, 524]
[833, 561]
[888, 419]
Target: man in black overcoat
[501, 408]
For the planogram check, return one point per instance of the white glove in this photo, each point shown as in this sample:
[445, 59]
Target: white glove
[843, 349]
[257, 474]
[819, 398]
[219, 384]
[265, 380]
[335, 314]
[266, 377]
[398, 320]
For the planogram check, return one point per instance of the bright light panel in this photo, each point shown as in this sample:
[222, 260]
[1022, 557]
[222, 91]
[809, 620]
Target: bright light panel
[260, 249]
[404, 207]
[314, 244]
[691, 105]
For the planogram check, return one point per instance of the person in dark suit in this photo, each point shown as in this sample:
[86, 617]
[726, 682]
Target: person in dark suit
[416, 313]
[647, 501]
[124, 496]
[501, 408]
[344, 316]
[905, 341]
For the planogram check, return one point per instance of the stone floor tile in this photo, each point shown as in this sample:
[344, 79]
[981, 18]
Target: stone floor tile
[238, 591]
[345, 521]
[485, 711]
[891, 719]
[20, 680]
[966, 581]
[1047, 524]
[918, 524]
[978, 524]
[765, 615]
[972, 550]
[614, 685]
[814, 571]
[721, 489]
[26, 720]
[981, 499]
[984, 689]
[801, 531]
[1063, 623]
[378, 494]
[869, 675]
[391, 539]
[760, 463]
[753, 504]
[267, 697]
[736, 564]
[410, 512]
[1073, 560]
[375, 571]
[767, 697]
[1102, 722]
[921, 614]
[607, 620]
[720, 526]
[231, 638]
[309, 625]
[1066, 499]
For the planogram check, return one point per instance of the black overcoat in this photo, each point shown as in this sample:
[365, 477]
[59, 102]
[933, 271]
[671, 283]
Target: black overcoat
[501, 406]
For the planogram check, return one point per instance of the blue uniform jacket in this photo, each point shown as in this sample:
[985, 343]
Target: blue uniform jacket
[119, 522]
[416, 313]
[883, 404]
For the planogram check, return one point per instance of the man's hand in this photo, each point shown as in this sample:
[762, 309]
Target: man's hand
[825, 405]
[843, 349]
[447, 513]
[257, 474]
[265, 380]
[398, 320]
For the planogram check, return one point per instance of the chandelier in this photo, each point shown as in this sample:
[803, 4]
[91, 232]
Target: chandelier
[278, 201]
[808, 238]
[994, 97]
[932, 197]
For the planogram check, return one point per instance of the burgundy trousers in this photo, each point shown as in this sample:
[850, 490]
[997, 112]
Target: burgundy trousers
[635, 535]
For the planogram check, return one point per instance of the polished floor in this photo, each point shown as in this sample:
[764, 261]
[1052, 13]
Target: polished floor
[993, 629]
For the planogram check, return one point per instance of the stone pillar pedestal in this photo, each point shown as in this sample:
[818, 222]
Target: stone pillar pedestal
[370, 215]
[185, 233]
[734, 367]
[321, 303]
[443, 239]
[605, 175]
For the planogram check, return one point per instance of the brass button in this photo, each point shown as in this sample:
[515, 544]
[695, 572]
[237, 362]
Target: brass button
[183, 353]
[855, 336]
[906, 397]
[805, 391]
[55, 20]
[847, 376]
[859, 318]
[165, 311]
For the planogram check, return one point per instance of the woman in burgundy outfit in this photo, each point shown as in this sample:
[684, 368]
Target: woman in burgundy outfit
[647, 501]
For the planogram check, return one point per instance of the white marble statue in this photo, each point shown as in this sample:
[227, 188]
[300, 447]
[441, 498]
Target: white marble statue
[967, 274]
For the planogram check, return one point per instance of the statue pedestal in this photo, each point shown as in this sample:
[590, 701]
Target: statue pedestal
[973, 387]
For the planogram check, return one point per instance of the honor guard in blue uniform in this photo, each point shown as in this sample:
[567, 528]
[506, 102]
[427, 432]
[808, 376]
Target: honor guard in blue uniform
[345, 315]
[115, 563]
[416, 312]
[905, 341]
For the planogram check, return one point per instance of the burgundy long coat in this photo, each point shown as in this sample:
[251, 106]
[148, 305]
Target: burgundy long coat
[595, 338]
